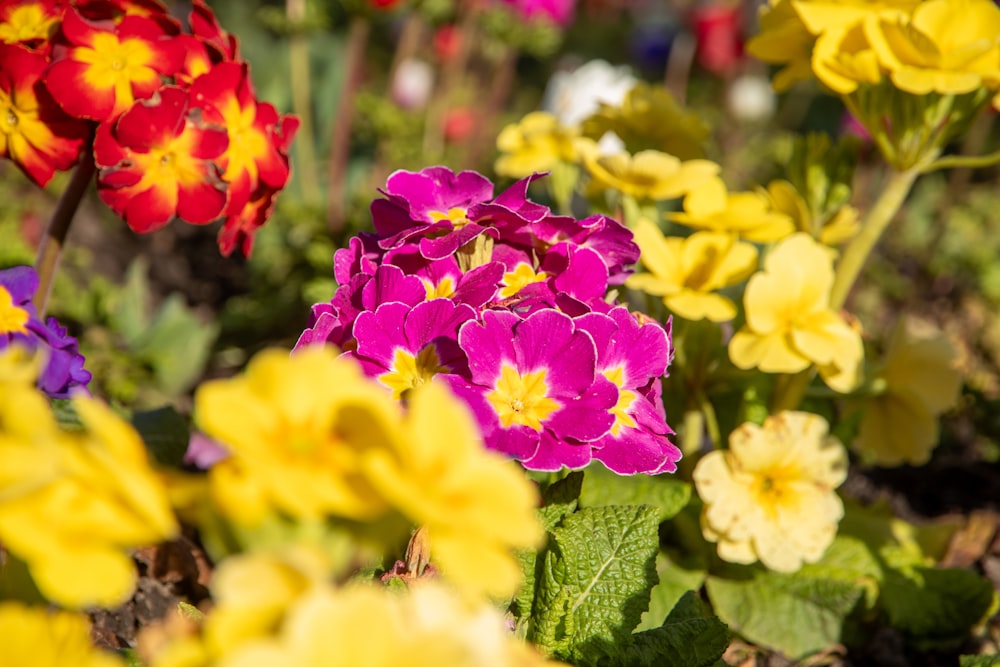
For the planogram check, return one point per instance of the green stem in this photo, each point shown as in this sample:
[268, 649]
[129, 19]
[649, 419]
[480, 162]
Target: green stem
[51, 245]
[965, 161]
[298, 58]
[881, 214]
[711, 421]
[694, 427]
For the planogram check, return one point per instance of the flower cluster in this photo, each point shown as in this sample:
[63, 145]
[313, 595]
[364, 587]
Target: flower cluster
[276, 609]
[99, 476]
[311, 438]
[177, 128]
[770, 496]
[506, 302]
[63, 369]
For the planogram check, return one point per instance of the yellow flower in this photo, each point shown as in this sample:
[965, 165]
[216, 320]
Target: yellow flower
[749, 214]
[297, 429]
[650, 117]
[770, 496]
[783, 40]
[843, 59]
[835, 229]
[947, 46]
[477, 506]
[36, 637]
[920, 382]
[789, 323]
[72, 504]
[537, 143]
[687, 272]
[649, 175]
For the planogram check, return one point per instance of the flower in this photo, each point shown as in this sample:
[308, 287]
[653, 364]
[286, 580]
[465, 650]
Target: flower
[29, 21]
[650, 175]
[770, 496]
[687, 272]
[537, 143]
[62, 372]
[105, 70]
[101, 477]
[832, 228]
[559, 12]
[789, 323]
[38, 637]
[920, 381]
[749, 214]
[156, 161]
[534, 387]
[34, 132]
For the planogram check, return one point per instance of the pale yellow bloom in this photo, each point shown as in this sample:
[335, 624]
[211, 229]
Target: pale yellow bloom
[838, 228]
[843, 58]
[947, 46]
[38, 637]
[72, 504]
[783, 40]
[921, 381]
[687, 272]
[537, 143]
[712, 207]
[770, 496]
[789, 323]
[647, 175]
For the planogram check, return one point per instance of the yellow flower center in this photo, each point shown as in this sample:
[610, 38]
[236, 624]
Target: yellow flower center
[26, 23]
[774, 489]
[625, 400]
[522, 276]
[522, 399]
[442, 290]
[116, 64]
[10, 122]
[12, 318]
[456, 215]
[409, 371]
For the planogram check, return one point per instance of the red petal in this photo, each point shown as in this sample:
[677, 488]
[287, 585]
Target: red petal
[65, 81]
[153, 122]
[148, 211]
[200, 203]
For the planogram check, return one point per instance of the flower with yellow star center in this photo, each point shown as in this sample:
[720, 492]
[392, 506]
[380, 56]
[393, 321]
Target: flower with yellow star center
[522, 399]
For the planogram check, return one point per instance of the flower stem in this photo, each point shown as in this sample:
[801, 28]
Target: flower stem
[51, 245]
[298, 57]
[881, 214]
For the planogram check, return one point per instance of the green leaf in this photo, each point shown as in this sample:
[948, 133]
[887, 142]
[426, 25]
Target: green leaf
[560, 499]
[935, 607]
[66, 414]
[129, 312]
[165, 433]
[848, 560]
[177, 345]
[689, 637]
[602, 487]
[675, 581]
[979, 661]
[595, 583]
[130, 656]
[794, 614]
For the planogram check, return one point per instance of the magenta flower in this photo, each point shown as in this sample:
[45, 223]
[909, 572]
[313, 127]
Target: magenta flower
[63, 372]
[534, 387]
[404, 347]
[611, 239]
[559, 12]
[633, 355]
[444, 278]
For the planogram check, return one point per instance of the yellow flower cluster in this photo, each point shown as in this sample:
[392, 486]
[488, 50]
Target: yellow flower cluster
[310, 437]
[950, 47]
[73, 503]
[919, 381]
[273, 609]
[751, 215]
[37, 637]
[770, 496]
[537, 143]
[789, 322]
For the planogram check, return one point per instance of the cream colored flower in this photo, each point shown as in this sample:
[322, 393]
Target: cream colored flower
[712, 207]
[920, 382]
[770, 496]
[647, 175]
[687, 272]
[831, 230]
[537, 143]
[789, 323]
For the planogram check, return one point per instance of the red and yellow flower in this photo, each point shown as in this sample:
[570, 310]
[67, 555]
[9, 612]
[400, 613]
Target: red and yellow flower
[34, 132]
[30, 22]
[108, 67]
[157, 162]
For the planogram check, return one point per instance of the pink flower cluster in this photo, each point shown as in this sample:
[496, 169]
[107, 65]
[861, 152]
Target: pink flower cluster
[507, 303]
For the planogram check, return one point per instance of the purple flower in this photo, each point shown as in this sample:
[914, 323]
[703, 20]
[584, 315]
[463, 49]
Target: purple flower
[612, 240]
[63, 372]
[559, 12]
[534, 388]
[633, 356]
[404, 346]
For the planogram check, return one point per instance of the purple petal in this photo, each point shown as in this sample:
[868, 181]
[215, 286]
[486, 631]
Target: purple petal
[553, 454]
[488, 344]
[587, 415]
[548, 339]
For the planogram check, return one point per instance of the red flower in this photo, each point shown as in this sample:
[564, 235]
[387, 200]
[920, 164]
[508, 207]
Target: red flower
[156, 162]
[34, 131]
[206, 27]
[29, 22]
[107, 67]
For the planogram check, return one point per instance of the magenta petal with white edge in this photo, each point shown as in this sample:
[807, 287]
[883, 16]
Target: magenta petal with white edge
[554, 454]
[549, 339]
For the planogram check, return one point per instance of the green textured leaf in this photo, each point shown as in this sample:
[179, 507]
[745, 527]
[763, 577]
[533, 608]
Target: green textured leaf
[675, 582]
[691, 636]
[979, 661]
[935, 607]
[165, 433]
[848, 560]
[595, 582]
[602, 487]
[560, 499]
[794, 614]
